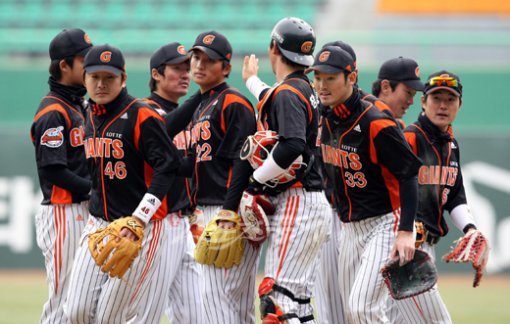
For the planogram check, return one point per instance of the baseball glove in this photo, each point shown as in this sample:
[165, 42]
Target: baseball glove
[219, 246]
[472, 247]
[254, 222]
[113, 253]
[411, 279]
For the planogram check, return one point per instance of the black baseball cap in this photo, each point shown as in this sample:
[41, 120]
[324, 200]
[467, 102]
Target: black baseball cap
[346, 47]
[214, 44]
[443, 80]
[332, 60]
[403, 70]
[70, 42]
[104, 58]
[173, 53]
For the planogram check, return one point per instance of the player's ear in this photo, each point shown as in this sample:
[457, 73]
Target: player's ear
[124, 79]
[155, 74]
[385, 86]
[353, 77]
[226, 69]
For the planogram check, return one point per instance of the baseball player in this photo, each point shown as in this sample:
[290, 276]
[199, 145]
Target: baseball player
[57, 135]
[133, 164]
[376, 191]
[170, 79]
[219, 127]
[302, 218]
[440, 183]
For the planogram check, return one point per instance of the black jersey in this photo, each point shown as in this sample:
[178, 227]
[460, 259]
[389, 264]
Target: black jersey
[440, 178]
[179, 196]
[219, 128]
[365, 155]
[129, 154]
[57, 134]
[291, 110]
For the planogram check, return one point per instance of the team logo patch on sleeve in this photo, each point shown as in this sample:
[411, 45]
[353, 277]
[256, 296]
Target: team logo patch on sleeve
[53, 137]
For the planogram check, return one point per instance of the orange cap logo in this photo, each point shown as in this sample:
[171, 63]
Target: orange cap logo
[417, 71]
[208, 39]
[86, 38]
[229, 56]
[105, 57]
[306, 47]
[324, 56]
[181, 50]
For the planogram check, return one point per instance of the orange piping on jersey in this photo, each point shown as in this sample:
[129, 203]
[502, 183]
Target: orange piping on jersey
[289, 218]
[80, 114]
[340, 142]
[396, 216]
[144, 113]
[284, 87]
[229, 178]
[153, 247]
[439, 216]
[411, 139]
[231, 98]
[375, 127]
[54, 107]
[393, 187]
[211, 103]
[60, 196]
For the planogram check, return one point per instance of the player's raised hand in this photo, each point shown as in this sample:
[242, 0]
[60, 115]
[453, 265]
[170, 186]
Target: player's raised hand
[250, 66]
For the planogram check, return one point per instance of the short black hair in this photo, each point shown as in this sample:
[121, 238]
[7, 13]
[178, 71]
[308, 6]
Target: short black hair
[55, 70]
[152, 82]
[376, 86]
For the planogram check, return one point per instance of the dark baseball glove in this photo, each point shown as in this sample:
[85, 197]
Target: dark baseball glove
[113, 253]
[472, 247]
[411, 279]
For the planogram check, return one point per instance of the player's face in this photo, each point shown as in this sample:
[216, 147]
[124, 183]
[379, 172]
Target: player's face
[399, 100]
[77, 71]
[441, 108]
[333, 89]
[175, 81]
[103, 87]
[207, 73]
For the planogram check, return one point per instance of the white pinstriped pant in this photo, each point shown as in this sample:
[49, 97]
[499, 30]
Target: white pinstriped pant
[94, 297]
[229, 294]
[58, 232]
[297, 231]
[364, 247]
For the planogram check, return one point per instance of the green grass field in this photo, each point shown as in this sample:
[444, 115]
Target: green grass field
[22, 295]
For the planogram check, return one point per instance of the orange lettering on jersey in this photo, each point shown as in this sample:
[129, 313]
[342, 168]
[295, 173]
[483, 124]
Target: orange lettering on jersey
[180, 141]
[118, 151]
[341, 158]
[354, 162]
[76, 136]
[437, 175]
[107, 145]
[205, 132]
[103, 147]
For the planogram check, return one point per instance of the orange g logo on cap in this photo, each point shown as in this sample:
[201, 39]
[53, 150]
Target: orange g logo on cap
[417, 71]
[208, 39]
[324, 56]
[105, 57]
[181, 50]
[86, 38]
[306, 47]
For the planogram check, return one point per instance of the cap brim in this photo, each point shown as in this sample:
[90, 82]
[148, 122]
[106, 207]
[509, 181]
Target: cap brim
[328, 69]
[83, 52]
[452, 90]
[103, 68]
[305, 60]
[178, 60]
[415, 84]
[213, 55]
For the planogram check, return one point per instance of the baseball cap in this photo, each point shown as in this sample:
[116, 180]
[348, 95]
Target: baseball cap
[173, 53]
[332, 60]
[403, 70]
[70, 42]
[295, 39]
[444, 80]
[214, 44]
[346, 47]
[104, 58]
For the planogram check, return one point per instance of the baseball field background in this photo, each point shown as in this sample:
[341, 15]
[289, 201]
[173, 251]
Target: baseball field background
[468, 37]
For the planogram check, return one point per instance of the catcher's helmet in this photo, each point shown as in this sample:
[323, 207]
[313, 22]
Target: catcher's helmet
[295, 39]
[258, 147]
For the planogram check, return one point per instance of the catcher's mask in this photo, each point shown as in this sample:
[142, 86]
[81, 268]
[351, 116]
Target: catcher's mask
[258, 147]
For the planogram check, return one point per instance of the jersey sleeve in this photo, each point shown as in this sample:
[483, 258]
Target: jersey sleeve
[48, 134]
[157, 149]
[237, 122]
[457, 195]
[389, 148]
[290, 114]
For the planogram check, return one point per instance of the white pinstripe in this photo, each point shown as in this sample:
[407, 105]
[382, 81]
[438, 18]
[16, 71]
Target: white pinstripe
[95, 297]
[427, 307]
[229, 294]
[366, 246]
[180, 282]
[297, 231]
[328, 299]
[58, 231]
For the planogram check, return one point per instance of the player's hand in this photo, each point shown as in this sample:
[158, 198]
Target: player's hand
[127, 233]
[403, 248]
[226, 224]
[250, 66]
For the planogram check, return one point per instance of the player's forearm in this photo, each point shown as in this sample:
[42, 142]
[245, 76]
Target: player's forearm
[62, 177]
[177, 120]
[409, 203]
[256, 86]
[241, 171]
